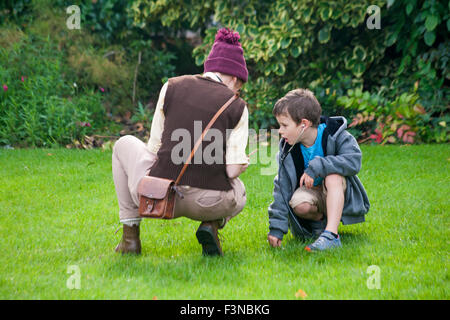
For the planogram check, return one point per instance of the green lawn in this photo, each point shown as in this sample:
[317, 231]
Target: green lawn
[58, 208]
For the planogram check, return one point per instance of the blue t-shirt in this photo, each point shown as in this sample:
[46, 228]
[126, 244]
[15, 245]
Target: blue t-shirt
[314, 151]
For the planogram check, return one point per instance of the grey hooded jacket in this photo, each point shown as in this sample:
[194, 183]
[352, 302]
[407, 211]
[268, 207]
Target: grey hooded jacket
[342, 156]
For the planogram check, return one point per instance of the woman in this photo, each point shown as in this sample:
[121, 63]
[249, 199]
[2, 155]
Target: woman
[212, 191]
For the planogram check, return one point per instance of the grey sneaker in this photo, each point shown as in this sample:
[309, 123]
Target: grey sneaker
[324, 242]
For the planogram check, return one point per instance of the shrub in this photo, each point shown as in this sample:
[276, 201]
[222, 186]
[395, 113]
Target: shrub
[38, 108]
[402, 120]
[14, 10]
[91, 69]
[324, 46]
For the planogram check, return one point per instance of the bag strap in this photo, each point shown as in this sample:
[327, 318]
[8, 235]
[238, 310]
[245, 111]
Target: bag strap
[199, 141]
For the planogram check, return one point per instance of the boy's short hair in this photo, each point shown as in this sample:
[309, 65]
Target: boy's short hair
[299, 104]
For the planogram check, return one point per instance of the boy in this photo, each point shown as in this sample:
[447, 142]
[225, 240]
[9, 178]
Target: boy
[316, 186]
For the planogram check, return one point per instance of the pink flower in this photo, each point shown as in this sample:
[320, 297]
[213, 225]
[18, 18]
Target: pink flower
[402, 129]
[408, 137]
[22, 78]
[84, 124]
[378, 137]
[5, 87]
[102, 89]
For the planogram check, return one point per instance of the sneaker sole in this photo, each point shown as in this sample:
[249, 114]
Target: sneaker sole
[209, 245]
[317, 250]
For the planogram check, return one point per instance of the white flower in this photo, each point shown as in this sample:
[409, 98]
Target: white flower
[75, 84]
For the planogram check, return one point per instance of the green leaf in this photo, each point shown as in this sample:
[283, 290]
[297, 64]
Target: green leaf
[429, 38]
[297, 33]
[409, 8]
[290, 23]
[336, 13]
[252, 32]
[359, 53]
[199, 60]
[296, 51]
[431, 22]
[221, 7]
[277, 24]
[249, 11]
[273, 49]
[307, 14]
[350, 64]
[285, 42]
[240, 28]
[391, 38]
[405, 62]
[324, 34]
[325, 13]
[345, 18]
[281, 69]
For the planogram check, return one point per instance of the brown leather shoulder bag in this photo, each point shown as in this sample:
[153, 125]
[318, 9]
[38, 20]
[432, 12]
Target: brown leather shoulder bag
[157, 195]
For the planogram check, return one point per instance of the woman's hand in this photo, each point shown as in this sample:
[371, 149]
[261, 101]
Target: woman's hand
[235, 170]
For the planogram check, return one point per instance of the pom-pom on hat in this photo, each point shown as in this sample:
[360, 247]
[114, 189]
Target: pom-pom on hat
[227, 55]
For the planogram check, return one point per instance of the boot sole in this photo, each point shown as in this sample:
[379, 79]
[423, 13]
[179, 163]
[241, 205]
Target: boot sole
[133, 251]
[206, 238]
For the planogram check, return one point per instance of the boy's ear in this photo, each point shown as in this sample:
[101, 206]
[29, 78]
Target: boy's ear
[305, 123]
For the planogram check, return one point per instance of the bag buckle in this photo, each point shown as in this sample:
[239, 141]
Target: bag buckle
[149, 206]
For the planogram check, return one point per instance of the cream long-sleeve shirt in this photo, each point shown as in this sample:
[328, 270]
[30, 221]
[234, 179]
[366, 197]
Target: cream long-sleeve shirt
[236, 142]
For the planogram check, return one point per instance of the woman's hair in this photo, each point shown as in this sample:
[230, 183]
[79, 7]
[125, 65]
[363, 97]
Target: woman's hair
[299, 104]
[239, 83]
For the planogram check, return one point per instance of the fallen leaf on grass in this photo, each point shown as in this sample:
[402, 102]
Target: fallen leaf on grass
[301, 294]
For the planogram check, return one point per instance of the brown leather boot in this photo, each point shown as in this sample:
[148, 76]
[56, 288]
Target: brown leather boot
[207, 236]
[130, 242]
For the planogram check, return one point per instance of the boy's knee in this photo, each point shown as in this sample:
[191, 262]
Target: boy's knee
[334, 181]
[302, 209]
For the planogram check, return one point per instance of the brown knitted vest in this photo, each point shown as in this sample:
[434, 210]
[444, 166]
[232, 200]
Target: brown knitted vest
[189, 105]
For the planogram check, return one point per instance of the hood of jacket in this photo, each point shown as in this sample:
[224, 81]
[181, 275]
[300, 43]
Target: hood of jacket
[335, 125]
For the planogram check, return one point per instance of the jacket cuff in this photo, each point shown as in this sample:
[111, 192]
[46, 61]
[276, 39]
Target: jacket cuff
[310, 172]
[276, 233]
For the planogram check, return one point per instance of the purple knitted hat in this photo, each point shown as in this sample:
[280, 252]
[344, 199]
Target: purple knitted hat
[227, 55]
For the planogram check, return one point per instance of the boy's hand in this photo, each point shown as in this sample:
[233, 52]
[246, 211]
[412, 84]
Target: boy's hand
[274, 241]
[307, 180]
